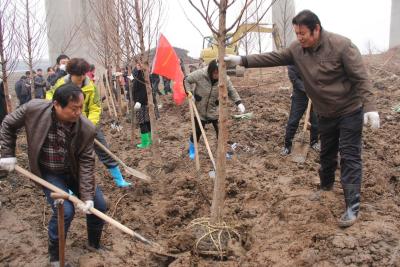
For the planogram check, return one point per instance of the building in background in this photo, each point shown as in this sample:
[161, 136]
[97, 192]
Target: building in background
[395, 24]
[68, 29]
[283, 12]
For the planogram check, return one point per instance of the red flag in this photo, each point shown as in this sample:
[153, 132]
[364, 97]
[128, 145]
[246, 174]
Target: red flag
[166, 63]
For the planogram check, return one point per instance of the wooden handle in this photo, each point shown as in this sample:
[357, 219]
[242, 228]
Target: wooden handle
[194, 136]
[307, 118]
[54, 195]
[105, 149]
[76, 200]
[203, 133]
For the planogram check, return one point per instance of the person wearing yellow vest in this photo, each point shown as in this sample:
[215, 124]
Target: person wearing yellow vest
[77, 69]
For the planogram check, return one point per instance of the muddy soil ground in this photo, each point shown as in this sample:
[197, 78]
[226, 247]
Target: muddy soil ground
[267, 200]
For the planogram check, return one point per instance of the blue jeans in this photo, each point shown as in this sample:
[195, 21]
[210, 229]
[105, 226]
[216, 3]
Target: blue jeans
[92, 221]
[297, 109]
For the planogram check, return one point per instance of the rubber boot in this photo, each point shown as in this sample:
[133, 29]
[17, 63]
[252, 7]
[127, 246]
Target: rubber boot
[192, 150]
[94, 236]
[117, 176]
[352, 199]
[146, 140]
[53, 253]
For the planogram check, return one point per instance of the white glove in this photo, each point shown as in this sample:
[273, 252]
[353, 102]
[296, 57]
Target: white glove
[241, 108]
[137, 106]
[372, 117]
[231, 60]
[8, 164]
[63, 67]
[86, 206]
[130, 77]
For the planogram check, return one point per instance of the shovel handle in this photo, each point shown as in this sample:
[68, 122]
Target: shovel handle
[105, 149]
[203, 132]
[307, 118]
[76, 200]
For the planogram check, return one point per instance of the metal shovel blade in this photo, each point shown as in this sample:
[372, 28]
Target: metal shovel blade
[300, 151]
[137, 174]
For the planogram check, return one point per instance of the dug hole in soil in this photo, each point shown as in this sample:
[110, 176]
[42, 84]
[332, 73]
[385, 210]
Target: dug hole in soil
[267, 196]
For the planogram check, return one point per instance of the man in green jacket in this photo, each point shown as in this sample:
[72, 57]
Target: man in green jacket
[77, 69]
[336, 81]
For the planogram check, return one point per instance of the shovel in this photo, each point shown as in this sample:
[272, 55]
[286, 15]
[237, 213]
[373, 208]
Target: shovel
[129, 170]
[75, 200]
[153, 246]
[301, 146]
[212, 172]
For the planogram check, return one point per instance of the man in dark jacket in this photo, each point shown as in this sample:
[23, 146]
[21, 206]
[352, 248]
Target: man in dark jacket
[40, 84]
[62, 153]
[336, 81]
[297, 109]
[23, 89]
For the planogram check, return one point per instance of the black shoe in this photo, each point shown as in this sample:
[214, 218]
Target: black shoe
[94, 236]
[352, 199]
[53, 251]
[285, 151]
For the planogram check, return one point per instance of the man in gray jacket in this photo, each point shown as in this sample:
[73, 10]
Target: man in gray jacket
[205, 95]
[336, 81]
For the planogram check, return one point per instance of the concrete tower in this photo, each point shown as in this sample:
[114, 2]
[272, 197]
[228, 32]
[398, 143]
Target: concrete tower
[67, 29]
[395, 24]
[283, 12]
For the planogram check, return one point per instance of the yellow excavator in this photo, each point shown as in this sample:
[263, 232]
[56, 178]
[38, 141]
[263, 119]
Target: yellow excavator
[210, 45]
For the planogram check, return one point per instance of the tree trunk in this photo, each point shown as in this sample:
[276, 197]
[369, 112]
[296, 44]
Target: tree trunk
[4, 70]
[29, 48]
[219, 184]
[145, 64]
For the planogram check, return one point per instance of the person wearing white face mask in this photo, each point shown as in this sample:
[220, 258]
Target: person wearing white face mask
[62, 61]
[336, 80]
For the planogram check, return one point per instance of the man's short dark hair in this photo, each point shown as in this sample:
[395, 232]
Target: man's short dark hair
[308, 19]
[60, 57]
[27, 73]
[78, 66]
[49, 68]
[39, 70]
[66, 93]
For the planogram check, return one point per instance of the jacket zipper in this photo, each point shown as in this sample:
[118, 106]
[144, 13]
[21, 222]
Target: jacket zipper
[208, 100]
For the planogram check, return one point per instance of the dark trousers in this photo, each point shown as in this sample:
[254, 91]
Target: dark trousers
[341, 134]
[145, 127]
[203, 123]
[297, 109]
[106, 159]
[92, 221]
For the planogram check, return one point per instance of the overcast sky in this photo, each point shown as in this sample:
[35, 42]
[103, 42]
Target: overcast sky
[363, 21]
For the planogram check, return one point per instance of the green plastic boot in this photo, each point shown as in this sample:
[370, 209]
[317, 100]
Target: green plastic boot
[146, 140]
